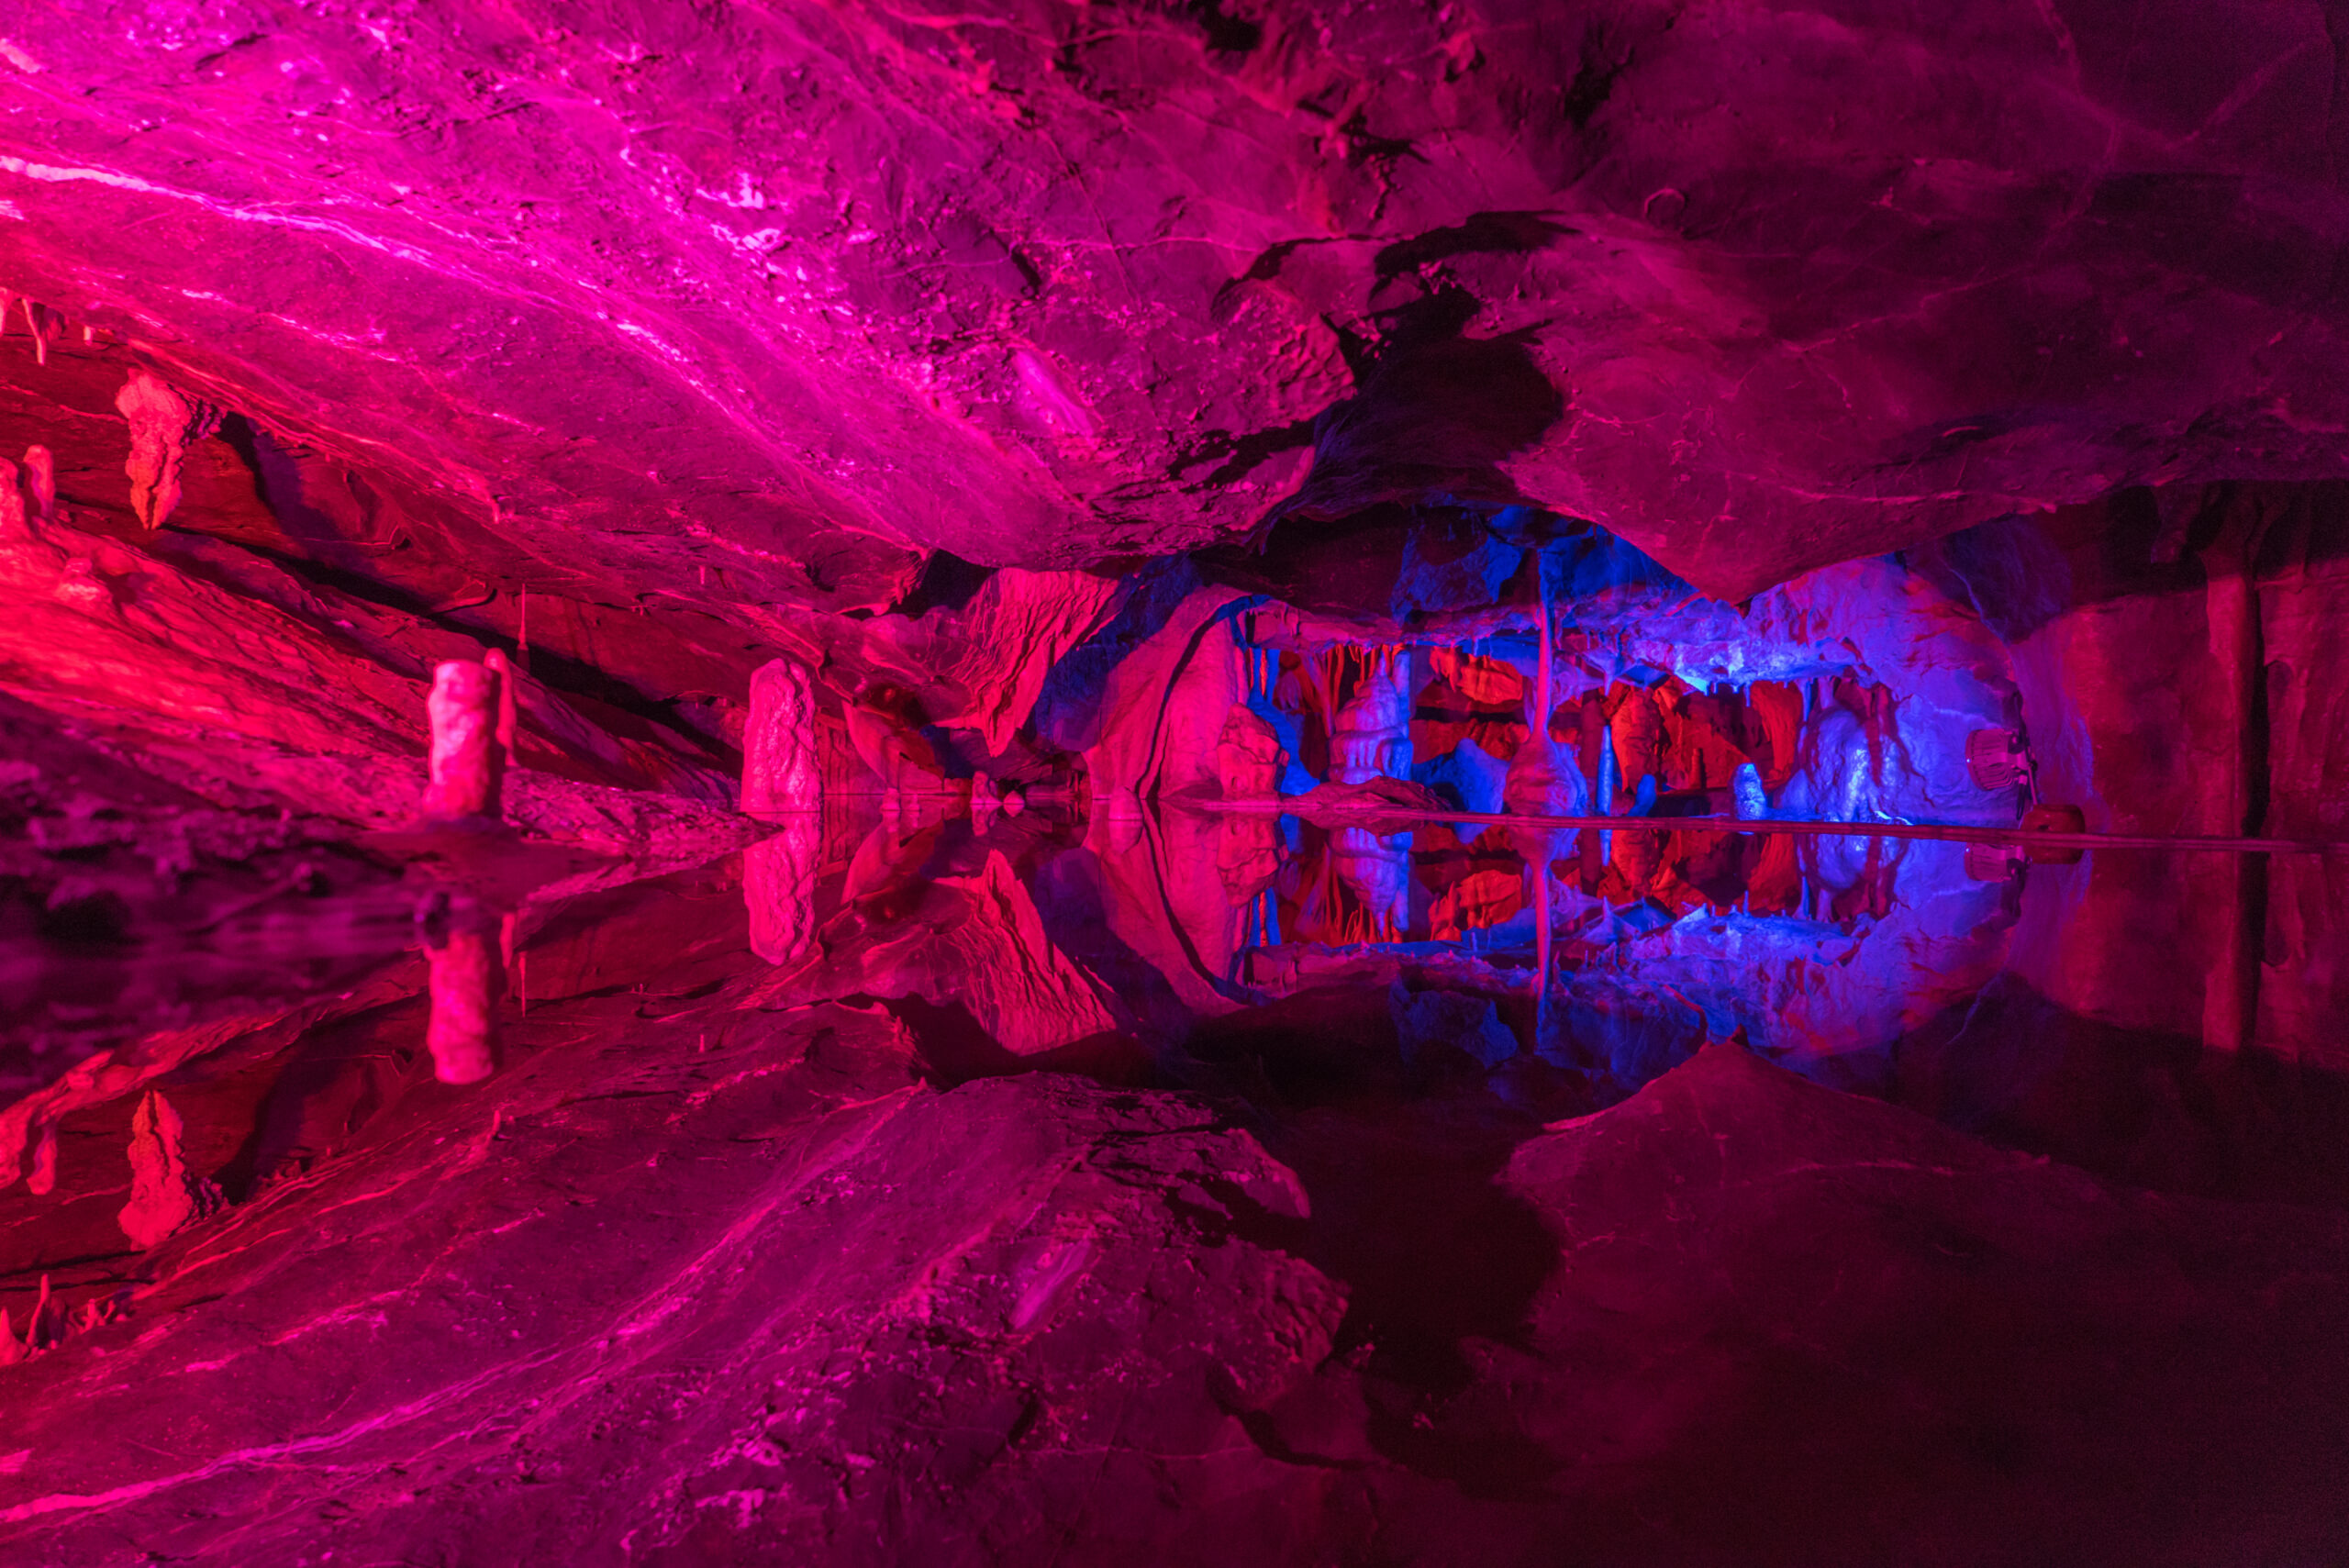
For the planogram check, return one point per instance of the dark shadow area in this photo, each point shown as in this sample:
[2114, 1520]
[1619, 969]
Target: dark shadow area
[2162, 1112]
[1436, 413]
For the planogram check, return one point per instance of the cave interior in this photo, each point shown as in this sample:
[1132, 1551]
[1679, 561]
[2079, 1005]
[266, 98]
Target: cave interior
[1260, 782]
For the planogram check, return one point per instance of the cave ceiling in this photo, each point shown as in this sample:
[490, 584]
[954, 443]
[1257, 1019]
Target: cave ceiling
[755, 305]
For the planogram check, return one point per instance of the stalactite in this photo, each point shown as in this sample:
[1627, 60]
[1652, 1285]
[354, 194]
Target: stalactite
[41, 1180]
[47, 327]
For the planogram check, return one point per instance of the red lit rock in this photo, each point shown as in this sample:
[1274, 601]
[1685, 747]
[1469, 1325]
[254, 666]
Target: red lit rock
[163, 424]
[779, 767]
[1248, 756]
[467, 982]
[468, 759]
[165, 1195]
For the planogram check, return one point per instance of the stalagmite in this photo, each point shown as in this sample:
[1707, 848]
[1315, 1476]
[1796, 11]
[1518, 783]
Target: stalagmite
[471, 708]
[165, 1195]
[1752, 800]
[779, 769]
[780, 778]
[1545, 777]
[40, 481]
[162, 426]
[81, 586]
[467, 978]
[1370, 737]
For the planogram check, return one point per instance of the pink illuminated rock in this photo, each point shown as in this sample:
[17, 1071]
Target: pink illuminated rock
[1724, 332]
[468, 754]
[47, 327]
[1019, 625]
[779, 889]
[163, 423]
[41, 481]
[165, 1195]
[883, 727]
[1249, 759]
[467, 977]
[779, 767]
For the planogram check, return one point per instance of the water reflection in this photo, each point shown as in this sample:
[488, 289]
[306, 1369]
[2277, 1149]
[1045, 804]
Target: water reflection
[1611, 952]
[1561, 969]
[1552, 970]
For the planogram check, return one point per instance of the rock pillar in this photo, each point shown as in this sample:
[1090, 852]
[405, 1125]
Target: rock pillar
[779, 770]
[471, 710]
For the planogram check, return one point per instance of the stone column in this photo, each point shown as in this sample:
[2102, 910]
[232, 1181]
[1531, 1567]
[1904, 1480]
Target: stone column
[779, 770]
[471, 708]
[780, 778]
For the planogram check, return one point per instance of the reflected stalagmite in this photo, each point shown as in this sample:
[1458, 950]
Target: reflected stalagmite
[467, 979]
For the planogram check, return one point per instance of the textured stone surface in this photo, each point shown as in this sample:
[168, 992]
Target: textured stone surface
[780, 293]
